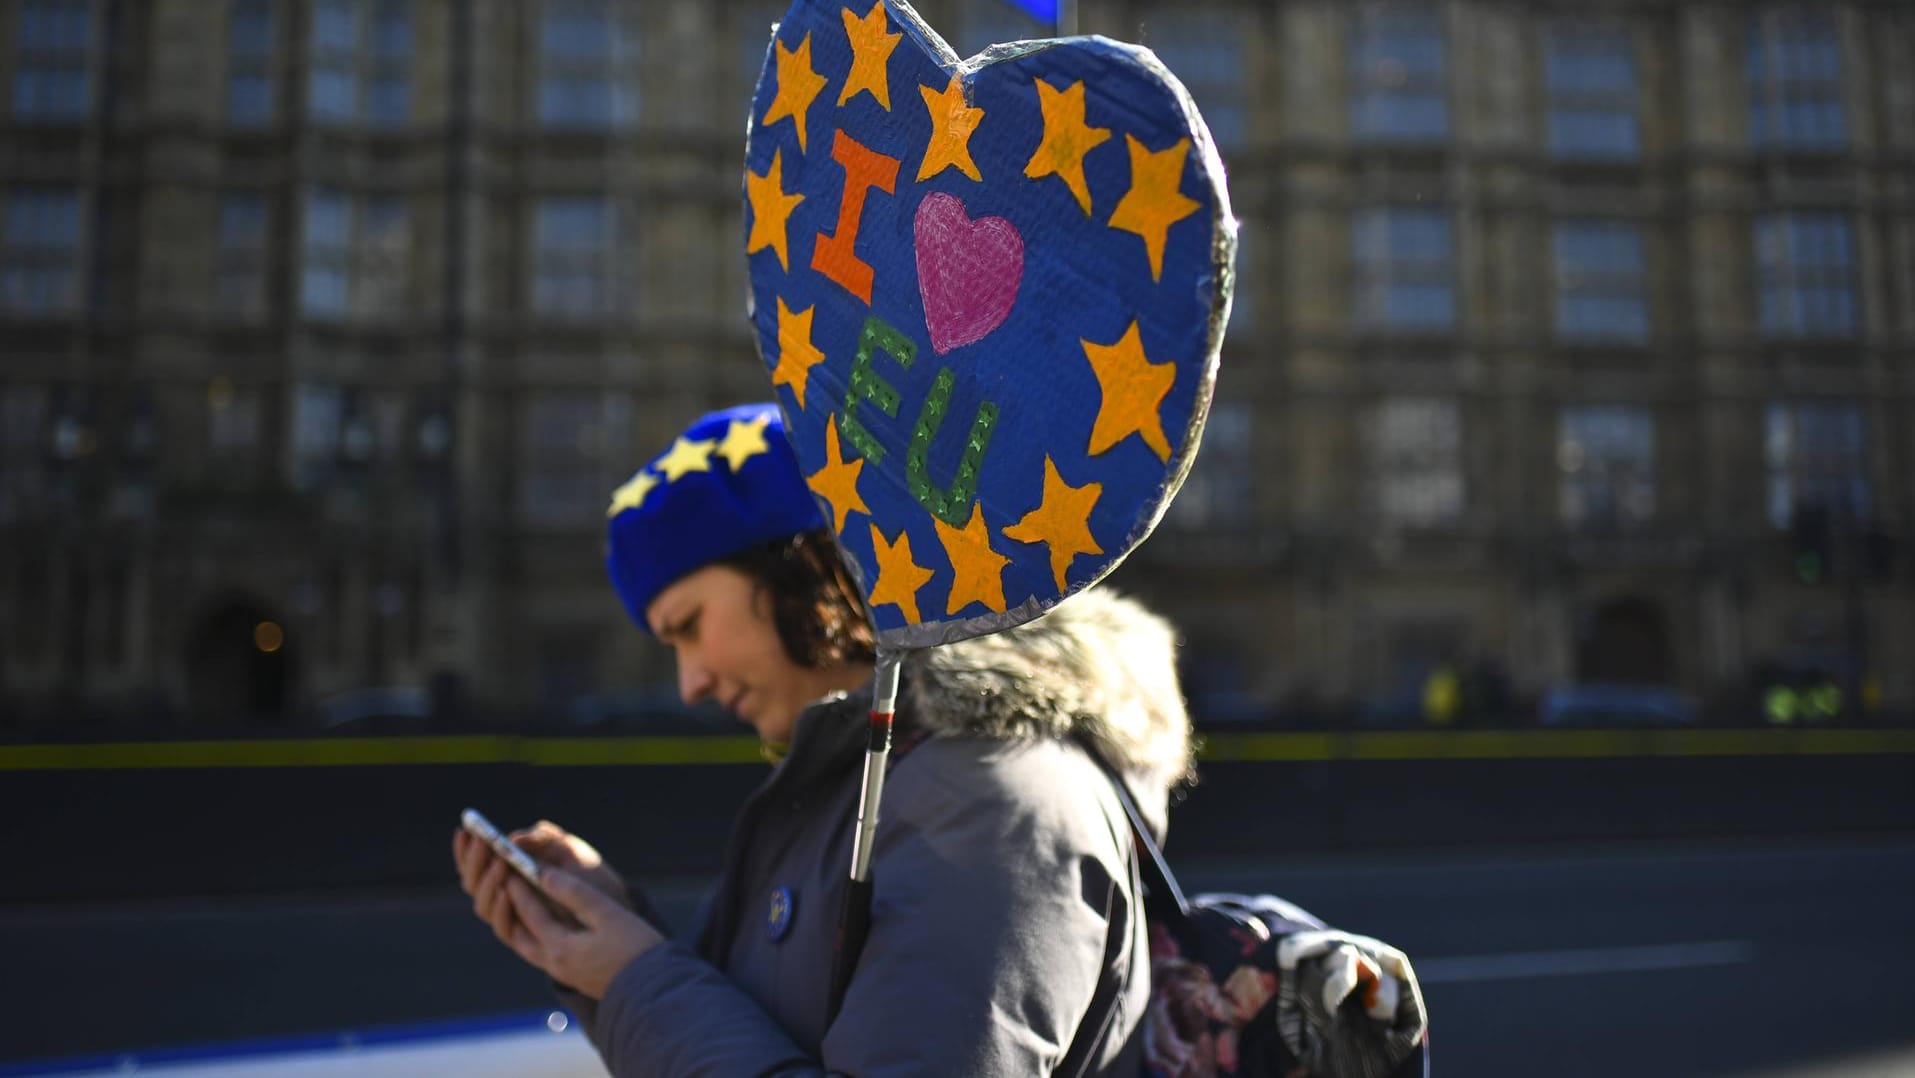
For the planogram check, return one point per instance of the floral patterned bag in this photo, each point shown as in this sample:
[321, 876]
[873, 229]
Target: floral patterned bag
[1252, 985]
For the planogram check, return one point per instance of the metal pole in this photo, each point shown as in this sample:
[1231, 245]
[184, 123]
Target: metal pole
[854, 920]
[877, 751]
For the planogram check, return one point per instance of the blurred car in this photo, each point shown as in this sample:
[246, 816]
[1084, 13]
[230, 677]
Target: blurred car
[380, 709]
[648, 710]
[1599, 704]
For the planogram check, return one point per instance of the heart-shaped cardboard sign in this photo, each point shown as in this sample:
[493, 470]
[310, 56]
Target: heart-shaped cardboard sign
[991, 294]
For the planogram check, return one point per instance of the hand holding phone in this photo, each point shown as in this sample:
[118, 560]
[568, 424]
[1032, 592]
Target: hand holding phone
[515, 858]
[594, 944]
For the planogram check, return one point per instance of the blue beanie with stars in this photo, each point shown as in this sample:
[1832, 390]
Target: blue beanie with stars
[729, 483]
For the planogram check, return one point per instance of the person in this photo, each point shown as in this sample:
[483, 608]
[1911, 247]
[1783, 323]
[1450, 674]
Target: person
[1007, 931]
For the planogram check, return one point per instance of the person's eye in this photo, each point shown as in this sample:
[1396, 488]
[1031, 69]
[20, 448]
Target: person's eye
[688, 629]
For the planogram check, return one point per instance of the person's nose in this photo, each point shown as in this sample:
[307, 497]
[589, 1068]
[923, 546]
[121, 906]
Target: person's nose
[695, 682]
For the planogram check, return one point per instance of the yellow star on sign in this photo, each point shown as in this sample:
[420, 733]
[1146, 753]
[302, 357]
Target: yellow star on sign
[796, 354]
[899, 578]
[870, 49]
[744, 439]
[770, 210]
[952, 122]
[1134, 388]
[1061, 521]
[632, 494]
[978, 571]
[685, 457]
[1066, 139]
[837, 481]
[798, 87]
[1154, 202]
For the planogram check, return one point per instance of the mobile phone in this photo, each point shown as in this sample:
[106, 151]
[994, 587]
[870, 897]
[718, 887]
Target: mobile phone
[521, 862]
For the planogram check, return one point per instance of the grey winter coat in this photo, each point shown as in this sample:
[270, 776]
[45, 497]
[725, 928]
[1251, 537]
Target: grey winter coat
[1007, 933]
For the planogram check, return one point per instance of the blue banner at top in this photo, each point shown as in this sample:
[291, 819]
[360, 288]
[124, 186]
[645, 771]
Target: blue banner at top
[1044, 11]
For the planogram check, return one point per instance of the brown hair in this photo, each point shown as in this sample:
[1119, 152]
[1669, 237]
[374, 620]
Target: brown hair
[814, 604]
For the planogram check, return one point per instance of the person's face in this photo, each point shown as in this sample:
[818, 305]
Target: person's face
[718, 621]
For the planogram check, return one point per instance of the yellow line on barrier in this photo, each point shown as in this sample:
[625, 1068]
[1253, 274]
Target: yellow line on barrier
[643, 751]
[1266, 748]
[1493, 745]
[1551, 744]
[303, 752]
[380, 751]
[639, 751]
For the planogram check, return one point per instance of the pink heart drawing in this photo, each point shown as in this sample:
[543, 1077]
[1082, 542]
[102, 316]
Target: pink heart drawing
[968, 271]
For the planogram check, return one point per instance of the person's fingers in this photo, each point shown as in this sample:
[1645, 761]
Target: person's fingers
[481, 898]
[1343, 973]
[569, 849]
[578, 851]
[533, 914]
[499, 912]
[487, 894]
[505, 921]
[473, 861]
[585, 902]
[1383, 1000]
[533, 932]
[545, 846]
[479, 860]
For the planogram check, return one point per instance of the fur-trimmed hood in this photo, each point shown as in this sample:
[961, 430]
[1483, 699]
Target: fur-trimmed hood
[1098, 664]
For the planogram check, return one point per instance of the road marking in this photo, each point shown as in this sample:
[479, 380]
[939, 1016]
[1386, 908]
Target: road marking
[507, 1047]
[1581, 963]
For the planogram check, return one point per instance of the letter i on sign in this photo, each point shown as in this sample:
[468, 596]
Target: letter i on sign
[835, 255]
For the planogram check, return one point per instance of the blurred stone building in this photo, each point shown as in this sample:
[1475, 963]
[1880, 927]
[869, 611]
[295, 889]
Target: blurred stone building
[1571, 344]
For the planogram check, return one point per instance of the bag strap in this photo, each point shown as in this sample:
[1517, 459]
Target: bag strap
[1163, 898]
[1093, 1029]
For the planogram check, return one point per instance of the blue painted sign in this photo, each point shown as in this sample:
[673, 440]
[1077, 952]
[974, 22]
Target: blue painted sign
[990, 294]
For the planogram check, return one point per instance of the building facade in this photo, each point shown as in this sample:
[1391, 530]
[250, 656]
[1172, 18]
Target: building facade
[1571, 344]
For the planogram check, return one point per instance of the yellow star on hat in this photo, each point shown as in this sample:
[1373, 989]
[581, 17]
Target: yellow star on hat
[744, 439]
[632, 494]
[685, 457]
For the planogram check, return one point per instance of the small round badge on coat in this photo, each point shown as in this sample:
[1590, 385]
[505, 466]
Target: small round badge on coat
[779, 911]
